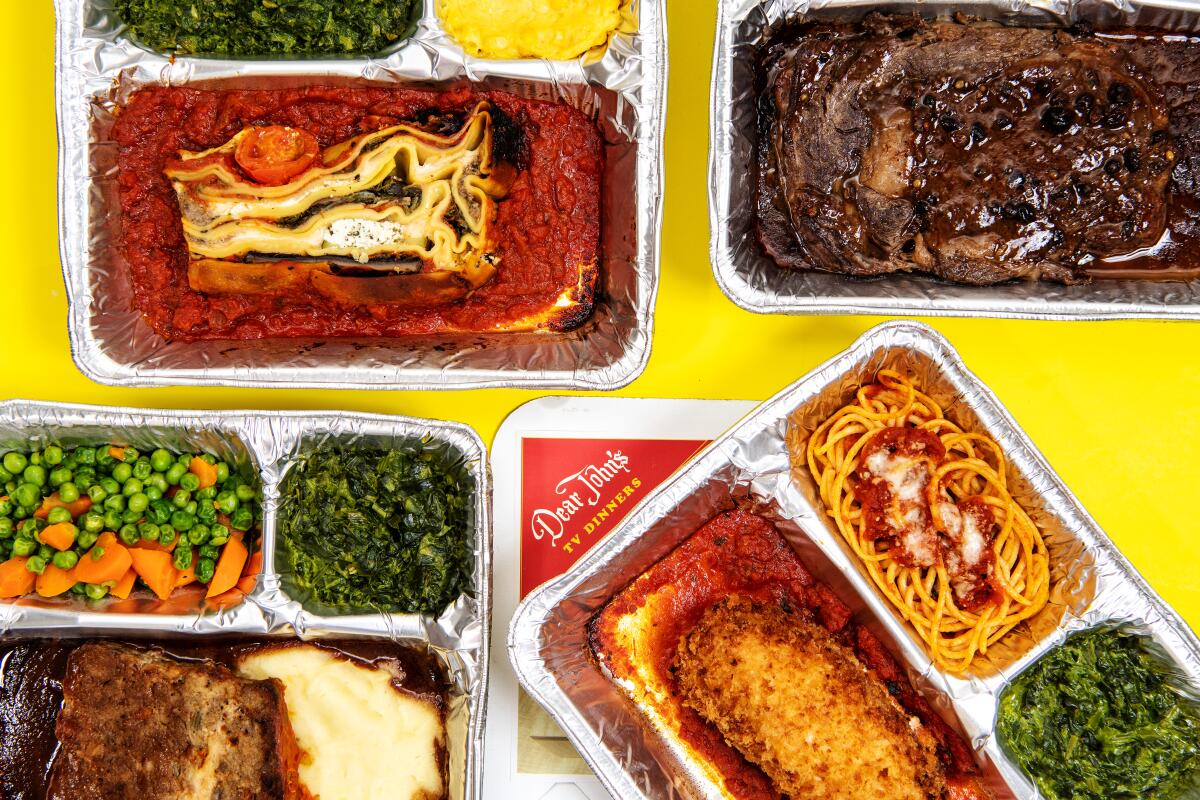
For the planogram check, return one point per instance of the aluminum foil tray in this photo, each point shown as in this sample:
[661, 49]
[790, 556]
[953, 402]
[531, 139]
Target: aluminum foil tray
[97, 67]
[267, 443]
[752, 280]
[1094, 585]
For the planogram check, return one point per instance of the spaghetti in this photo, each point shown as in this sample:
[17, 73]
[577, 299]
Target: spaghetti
[925, 506]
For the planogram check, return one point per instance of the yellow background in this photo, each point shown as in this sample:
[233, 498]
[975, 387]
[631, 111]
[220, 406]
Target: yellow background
[1113, 406]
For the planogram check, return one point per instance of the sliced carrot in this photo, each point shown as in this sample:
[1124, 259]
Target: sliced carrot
[60, 535]
[54, 581]
[125, 585]
[250, 572]
[146, 544]
[188, 575]
[206, 472]
[15, 580]
[117, 452]
[226, 599]
[111, 565]
[229, 567]
[156, 571]
[77, 508]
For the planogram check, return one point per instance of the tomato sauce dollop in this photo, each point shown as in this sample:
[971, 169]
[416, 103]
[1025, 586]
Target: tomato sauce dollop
[546, 229]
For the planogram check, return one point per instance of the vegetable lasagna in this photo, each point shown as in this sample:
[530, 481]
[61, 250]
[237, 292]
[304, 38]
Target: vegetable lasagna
[329, 211]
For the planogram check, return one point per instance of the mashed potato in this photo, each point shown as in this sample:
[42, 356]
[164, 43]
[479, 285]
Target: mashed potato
[363, 738]
[553, 29]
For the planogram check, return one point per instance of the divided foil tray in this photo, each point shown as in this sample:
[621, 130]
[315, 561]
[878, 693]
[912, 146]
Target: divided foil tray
[97, 67]
[753, 281]
[1094, 585]
[266, 443]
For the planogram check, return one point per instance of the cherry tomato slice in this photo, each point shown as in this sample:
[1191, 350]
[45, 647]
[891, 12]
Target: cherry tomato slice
[274, 154]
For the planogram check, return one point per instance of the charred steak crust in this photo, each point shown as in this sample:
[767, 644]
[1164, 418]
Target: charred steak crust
[137, 724]
[975, 152]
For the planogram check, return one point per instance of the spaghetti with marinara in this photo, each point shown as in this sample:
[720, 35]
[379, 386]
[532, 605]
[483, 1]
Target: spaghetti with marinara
[926, 507]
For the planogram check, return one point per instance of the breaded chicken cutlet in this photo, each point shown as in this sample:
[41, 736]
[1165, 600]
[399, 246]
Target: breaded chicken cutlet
[798, 704]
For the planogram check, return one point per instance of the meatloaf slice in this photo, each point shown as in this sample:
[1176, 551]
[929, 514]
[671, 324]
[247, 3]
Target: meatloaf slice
[137, 724]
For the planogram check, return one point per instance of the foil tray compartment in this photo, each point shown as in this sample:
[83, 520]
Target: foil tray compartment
[754, 282]
[624, 91]
[750, 466]
[265, 444]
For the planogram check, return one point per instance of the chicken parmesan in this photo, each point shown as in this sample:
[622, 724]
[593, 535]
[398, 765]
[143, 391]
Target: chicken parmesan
[330, 211]
[731, 648]
[925, 506]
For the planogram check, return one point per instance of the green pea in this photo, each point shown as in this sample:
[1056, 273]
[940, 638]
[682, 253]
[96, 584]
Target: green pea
[68, 492]
[7, 527]
[183, 557]
[24, 547]
[69, 461]
[191, 508]
[205, 568]
[35, 474]
[175, 474]
[59, 476]
[219, 535]
[104, 459]
[53, 455]
[58, 515]
[153, 493]
[241, 519]
[97, 553]
[131, 487]
[27, 495]
[189, 482]
[86, 539]
[184, 458]
[97, 493]
[158, 482]
[66, 559]
[245, 492]
[222, 472]
[93, 522]
[138, 502]
[32, 526]
[85, 455]
[110, 486]
[148, 531]
[15, 462]
[115, 502]
[182, 521]
[159, 511]
[84, 478]
[131, 455]
[210, 550]
[207, 493]
[142, 469]
[35, 458]
[227, 502]
[161, 460]
[129, 534]
[96, 591]
[181, 499]
[206, 513]
[112, 520]
[199, 534]
[45, 552]
[166, 535]
[78, 589]
[122, 472]
[36, 565]
[131, 516]
[6, 506]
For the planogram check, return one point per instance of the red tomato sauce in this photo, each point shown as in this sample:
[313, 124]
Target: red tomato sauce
[739, 553]
[546, 228]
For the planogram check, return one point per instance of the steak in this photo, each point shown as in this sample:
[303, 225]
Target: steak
[139, 725]
[972, 151]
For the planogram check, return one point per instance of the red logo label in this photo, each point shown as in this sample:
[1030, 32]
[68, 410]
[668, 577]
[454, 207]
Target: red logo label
[575, 491]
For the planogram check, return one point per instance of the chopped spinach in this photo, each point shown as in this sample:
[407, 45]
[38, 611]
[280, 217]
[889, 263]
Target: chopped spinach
[378, 529]
[1097, 719]
[267, 27]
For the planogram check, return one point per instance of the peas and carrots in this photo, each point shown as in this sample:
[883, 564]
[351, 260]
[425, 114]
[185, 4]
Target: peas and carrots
[80, 521]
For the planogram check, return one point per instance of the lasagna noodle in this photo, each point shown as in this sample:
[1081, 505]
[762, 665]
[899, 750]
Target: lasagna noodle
[324, 213]
[974, 466]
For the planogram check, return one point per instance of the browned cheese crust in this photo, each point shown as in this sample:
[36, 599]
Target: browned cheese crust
[798, 704]
[139, 725]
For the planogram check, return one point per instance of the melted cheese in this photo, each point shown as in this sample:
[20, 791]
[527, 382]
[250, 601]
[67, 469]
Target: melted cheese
[554, 29]
[339, 208]
[363, 739]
